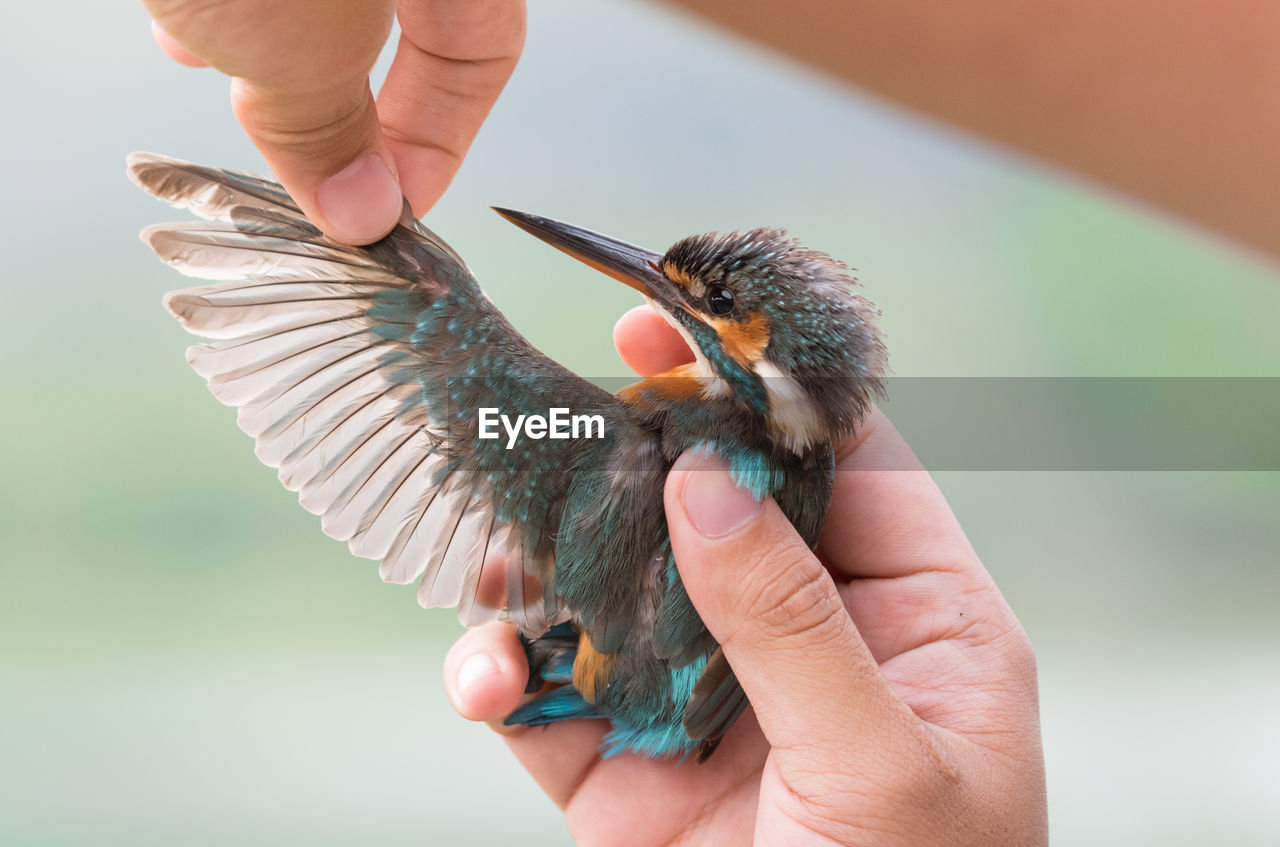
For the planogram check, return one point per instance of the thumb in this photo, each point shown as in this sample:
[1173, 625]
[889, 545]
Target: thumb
[327, 149]
[780, 619]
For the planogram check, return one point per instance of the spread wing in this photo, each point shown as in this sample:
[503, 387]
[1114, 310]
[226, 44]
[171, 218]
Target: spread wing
[360, 372]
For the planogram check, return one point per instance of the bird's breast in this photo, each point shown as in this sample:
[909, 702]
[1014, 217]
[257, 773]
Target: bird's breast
[677, 386]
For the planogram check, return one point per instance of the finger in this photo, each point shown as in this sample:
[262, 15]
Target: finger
[775, 610]
[300, 89]
[485, 672]
[491, 584]
[484, 676]
[173, 49]
[327, 149]
[648, 344]
[453, 60]
[888, 518]
[914, 579]
[915, 582]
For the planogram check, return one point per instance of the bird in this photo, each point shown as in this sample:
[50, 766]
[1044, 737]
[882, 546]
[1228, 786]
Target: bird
[368, 376]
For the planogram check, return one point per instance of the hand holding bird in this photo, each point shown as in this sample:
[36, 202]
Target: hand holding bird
[360, 373]
[893, 690]
[367, 376]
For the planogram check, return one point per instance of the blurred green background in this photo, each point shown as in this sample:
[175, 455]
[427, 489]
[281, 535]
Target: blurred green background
[185, 658]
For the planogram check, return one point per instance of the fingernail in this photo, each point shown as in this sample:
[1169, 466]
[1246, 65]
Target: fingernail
[362, 202]
[475, 669]
[713, 503]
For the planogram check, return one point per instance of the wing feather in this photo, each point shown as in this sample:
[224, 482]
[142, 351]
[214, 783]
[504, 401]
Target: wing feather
[199, 313]
[355, 406]
[481, 601]
[330, 449]
[354, 512]
[422, 540]
[349, 464]
[332, 357]
[247, 355]
[210, 193]
[459, 561]
[201, 250]
[524, 593]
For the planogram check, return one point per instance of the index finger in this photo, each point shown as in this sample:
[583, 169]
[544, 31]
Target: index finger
[888, 518]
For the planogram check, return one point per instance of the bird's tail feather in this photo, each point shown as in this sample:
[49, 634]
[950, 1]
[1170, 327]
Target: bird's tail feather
[551, 658]
[558, 704]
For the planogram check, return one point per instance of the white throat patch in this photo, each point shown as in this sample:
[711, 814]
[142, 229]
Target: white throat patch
[712, 384]
[791, 414]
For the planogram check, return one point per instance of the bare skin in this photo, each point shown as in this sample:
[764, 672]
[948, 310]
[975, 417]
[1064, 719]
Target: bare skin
[893, 690]
[1173, 102]
[300, 88]
[895, 698]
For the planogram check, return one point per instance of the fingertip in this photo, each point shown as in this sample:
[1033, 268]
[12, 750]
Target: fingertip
[328, 151]
[362, 202]
[485, 673]
[647, 343]
[173, 49]
[481, 687]
[678, 475]
[711, 500]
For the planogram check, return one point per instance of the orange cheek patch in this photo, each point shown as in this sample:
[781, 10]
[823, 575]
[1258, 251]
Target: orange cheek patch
[591, 669]
[745, 342]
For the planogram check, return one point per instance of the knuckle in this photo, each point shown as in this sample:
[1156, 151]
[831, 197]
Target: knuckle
[1020, 657]
[791, 595]
[315, 126]
[860, 812]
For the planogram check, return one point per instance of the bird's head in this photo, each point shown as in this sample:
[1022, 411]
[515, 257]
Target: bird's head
[774, 327]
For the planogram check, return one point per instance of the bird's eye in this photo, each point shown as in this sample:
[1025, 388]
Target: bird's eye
[720, 300]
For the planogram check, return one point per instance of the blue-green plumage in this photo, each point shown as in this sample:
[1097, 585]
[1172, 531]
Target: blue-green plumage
[364, 374]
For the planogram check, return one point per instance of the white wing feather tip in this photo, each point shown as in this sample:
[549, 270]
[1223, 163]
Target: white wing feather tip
[298, 357]
[137, 163]
[178, 304]
[207, 193]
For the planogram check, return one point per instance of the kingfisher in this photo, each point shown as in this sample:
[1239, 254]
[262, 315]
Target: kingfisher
[365, 373]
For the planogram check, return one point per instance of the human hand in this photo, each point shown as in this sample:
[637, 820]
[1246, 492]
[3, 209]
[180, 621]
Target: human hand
[300, 88]
[893, 691]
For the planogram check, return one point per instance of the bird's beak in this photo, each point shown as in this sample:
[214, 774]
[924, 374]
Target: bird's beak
[631, 265]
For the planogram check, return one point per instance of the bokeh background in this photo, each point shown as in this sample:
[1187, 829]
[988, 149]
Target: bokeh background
[185, 658]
